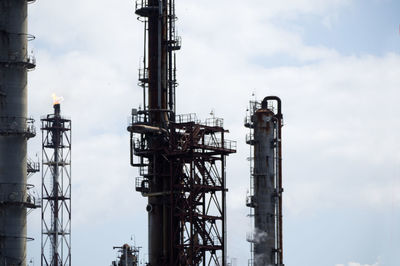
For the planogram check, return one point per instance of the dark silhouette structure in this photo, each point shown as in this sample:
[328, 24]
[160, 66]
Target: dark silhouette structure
[181, 160]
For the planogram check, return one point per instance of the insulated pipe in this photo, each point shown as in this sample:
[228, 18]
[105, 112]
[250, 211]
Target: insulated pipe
[264, 104]
[56, 135]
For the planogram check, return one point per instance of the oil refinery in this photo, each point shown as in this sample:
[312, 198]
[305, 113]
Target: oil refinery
[180, 159]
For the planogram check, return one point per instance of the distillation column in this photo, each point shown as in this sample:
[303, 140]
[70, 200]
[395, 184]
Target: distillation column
[56, 189]
[15, 130]
[266, 198]
[181, 160]
[157, 77]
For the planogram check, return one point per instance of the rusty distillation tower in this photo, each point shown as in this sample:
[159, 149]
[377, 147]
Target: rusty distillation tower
[181, 160]
[15, 130]
[265, 200]
[56, 189]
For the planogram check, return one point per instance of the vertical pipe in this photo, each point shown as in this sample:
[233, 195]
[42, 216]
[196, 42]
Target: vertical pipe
[279, 143]
[159, 52]
[56, 141]
[224, 234]
[145, 67]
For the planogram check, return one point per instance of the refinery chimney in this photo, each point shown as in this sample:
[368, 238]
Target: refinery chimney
[265, 200]
[15, 130]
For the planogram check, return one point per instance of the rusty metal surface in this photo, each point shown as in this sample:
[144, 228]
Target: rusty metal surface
[193, 192]
[265, 198]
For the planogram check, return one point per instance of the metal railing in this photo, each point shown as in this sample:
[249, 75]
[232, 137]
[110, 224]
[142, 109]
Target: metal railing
[17, 125]
[45, 118]
[30, 60]
[14, 194]
[250, 138]
[214, 122]
[175, 43]
[143, 74]
[186, 118]
[142, 184]
[230, 145]
[32, 166]
[248, 121]
[144, 170]
[211, 141]
[139, 4]
[139, 145]
[136, 118]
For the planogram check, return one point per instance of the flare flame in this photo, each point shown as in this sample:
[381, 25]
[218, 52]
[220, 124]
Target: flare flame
[57, 99]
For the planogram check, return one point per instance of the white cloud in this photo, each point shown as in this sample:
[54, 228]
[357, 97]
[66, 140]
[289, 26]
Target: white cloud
[358, 264]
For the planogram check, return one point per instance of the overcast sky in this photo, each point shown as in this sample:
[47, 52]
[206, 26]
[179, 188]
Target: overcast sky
[334, 63]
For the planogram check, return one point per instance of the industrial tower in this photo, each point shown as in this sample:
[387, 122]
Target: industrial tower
[180, 159]
[15, 130]
[56, 189]
[265, 198]
[129, 256]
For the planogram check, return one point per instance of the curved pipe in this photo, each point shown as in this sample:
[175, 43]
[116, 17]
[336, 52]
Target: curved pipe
[264, 103]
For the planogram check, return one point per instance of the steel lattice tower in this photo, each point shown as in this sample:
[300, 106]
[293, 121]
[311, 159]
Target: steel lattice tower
[265, 197]
[56, 189]
[15, 129]
[181, 160]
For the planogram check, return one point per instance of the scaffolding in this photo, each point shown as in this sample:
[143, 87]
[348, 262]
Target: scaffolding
[195, 192]
[56, 190]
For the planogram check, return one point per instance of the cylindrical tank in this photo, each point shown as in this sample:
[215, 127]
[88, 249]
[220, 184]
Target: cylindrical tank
[264, 188]
[265, 199]
[14, 63]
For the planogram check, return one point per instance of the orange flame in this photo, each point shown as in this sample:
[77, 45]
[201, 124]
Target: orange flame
[57, 99]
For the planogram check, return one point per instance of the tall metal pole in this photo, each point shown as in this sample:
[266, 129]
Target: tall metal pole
[56, 189]
[15, 130]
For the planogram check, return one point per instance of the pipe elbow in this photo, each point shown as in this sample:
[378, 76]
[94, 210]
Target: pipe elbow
[264, 104]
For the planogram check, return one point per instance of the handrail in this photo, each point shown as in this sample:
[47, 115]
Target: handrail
[17, 125]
